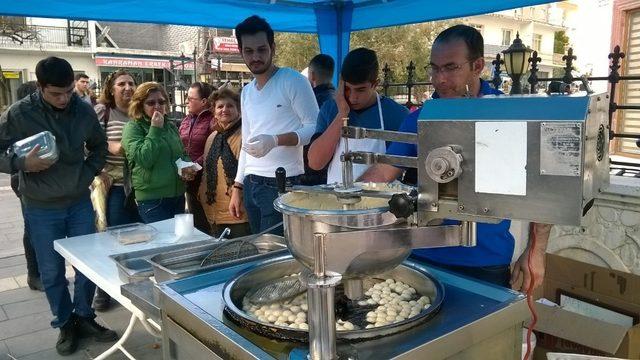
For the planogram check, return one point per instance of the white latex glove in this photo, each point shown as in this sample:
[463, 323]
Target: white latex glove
[260, 145]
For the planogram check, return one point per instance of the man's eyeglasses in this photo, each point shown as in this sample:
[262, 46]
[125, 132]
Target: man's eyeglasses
[157, 102]
[446, 69]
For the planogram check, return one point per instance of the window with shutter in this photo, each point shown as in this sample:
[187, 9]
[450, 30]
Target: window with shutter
[629, 120]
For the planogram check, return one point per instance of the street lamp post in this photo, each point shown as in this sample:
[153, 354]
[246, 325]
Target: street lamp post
[516, 63]
[219, 59]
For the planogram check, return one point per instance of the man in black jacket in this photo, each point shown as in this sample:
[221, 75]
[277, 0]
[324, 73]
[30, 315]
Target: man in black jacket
[55, 194]
[321, 69]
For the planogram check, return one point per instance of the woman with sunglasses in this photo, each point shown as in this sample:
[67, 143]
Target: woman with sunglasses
[152, 145]
[112, 110]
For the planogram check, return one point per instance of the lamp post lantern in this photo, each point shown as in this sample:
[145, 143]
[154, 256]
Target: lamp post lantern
[516, 63]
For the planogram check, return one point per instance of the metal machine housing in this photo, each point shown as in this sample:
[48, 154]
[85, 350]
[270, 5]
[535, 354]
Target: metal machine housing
[566, 147]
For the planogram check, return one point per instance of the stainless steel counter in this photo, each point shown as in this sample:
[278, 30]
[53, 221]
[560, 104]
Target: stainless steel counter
[476, 321]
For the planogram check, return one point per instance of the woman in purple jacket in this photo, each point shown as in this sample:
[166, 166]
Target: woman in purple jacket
[194, 131]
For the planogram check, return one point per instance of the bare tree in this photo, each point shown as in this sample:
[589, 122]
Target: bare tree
[16, 29]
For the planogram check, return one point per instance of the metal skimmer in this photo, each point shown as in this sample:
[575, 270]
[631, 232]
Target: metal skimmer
[230, 250]
[234, 249]
[277, 290]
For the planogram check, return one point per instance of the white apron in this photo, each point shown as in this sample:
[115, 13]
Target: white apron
[334, 171]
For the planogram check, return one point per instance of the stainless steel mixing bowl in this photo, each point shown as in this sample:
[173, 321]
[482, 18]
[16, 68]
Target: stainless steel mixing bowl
[308, 213]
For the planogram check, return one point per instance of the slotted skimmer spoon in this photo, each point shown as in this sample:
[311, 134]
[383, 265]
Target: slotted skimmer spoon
[277, 290]
[229, 250]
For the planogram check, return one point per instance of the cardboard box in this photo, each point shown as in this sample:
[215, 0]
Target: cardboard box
[560, 330]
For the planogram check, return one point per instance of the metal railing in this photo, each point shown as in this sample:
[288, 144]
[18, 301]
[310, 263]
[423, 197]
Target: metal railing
[38, 36]
[407, 92]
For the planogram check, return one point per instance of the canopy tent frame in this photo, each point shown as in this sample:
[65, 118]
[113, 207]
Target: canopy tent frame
[332, 20]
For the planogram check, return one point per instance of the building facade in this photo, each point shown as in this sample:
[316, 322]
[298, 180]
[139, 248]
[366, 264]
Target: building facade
[150, 52]
[536, 27]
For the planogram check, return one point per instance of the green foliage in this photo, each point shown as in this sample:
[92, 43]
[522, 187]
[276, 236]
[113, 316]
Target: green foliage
[560, 42]
[295, 50]
[396, 46]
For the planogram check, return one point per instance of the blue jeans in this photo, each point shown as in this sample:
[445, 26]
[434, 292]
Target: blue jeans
[45, 226]
[117, 213]
[259, 194]
[160, 209]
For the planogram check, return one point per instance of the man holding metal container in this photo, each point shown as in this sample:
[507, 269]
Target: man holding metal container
[54, 141]
[457, 59]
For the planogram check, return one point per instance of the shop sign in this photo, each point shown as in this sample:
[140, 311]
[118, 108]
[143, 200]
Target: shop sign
[11, 74]
[226, 45]
[139, 63]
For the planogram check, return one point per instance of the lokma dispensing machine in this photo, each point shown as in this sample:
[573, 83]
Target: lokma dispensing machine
[535, 158]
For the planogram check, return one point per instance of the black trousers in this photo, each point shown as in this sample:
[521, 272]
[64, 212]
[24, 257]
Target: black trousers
[29, 253]
[195, 207]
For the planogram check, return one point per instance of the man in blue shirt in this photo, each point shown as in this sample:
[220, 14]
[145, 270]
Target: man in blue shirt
[455, 67]
[358, 100]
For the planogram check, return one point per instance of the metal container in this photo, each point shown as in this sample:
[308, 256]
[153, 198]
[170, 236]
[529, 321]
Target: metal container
[180, 263]
[236, 289]
[46, 140]
[308, 213]
[133, 266]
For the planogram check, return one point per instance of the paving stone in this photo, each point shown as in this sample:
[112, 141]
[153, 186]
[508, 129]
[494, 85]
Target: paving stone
[51, 354]
[11, 245]
[8, 284]
[12, 261]
[145, 352]
[25, 325]
[12, 251]
[21, 280]
[118, 320]
[7, 225]
[3, 315]
[25, 344]
[4, 351]
[17, 295]
[23, 308]
[11, 214]
[11, 271]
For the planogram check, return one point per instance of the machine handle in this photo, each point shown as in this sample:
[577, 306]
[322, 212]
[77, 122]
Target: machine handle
[281, 179]
[403, 205]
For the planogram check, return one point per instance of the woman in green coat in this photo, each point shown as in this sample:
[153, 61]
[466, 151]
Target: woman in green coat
[152, 145]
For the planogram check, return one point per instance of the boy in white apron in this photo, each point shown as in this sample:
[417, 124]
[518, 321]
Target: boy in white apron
[358, 100]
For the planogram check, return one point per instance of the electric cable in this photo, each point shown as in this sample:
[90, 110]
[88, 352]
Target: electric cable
[534, 316]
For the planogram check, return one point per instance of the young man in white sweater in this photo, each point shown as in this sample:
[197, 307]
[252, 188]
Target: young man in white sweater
[279, 112]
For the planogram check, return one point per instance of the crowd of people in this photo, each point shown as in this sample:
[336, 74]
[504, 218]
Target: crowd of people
[124, 146]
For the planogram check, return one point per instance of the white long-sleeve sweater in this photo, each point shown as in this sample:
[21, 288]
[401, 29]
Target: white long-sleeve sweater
[285, 104]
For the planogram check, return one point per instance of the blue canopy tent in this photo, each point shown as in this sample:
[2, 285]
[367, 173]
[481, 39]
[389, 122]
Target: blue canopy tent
[333, 21]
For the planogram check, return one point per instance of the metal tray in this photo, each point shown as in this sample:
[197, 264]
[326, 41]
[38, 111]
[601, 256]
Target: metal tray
[184, 262]
[237, 288]
[133, 266]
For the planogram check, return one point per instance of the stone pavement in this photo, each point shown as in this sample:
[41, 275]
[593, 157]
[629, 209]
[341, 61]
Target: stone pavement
[25, 332]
